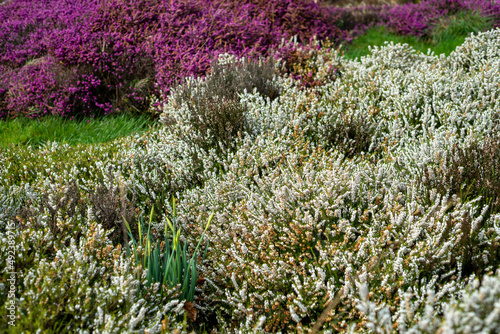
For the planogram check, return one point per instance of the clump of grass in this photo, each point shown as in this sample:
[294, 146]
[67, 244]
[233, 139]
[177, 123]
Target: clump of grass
[36, 132]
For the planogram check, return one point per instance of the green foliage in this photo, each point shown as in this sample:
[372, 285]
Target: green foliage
[169, 266]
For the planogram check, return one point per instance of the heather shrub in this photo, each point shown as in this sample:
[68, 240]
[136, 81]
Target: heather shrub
[473, 57]
[441, 25]
[111, 207]
[350, 135]
[473, 311]
[488, 9]
[67, 204]
[211, 109]
[302, 18]
[229, 78]
[312, 65]
[67, 251]
[477, 311]
[33, 81]
[219, 119]
[39, 88]
[468, 172]
[27, 27]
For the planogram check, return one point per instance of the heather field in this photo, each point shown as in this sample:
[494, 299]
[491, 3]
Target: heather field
[280, 166]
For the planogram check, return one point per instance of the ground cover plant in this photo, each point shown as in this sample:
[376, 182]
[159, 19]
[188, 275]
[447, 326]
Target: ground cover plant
[394, 225]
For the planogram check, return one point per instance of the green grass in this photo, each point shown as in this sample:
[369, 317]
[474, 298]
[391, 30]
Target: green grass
[25, 131]
[378, 36]
[447, 34]
[457, 27]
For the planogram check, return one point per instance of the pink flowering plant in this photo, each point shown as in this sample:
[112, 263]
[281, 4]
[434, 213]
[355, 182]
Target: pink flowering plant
[116, 55]
[71, 58]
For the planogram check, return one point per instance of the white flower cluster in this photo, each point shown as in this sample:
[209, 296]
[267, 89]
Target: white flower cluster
[476, 310]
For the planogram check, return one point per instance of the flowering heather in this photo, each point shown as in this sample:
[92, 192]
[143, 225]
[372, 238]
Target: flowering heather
[388, 231]
[81, 58]
[118, 54]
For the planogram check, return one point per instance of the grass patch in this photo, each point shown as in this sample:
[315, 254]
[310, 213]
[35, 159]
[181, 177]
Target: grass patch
[36, 132]
[456, 28]
[377, 36]
[447, 34]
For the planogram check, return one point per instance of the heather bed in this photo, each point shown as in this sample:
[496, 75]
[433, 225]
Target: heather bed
[78, 59]
[377, 188]
[311, 191]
